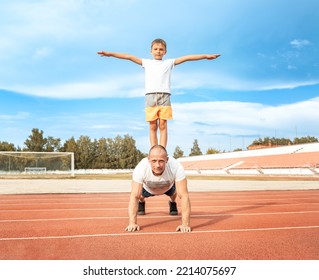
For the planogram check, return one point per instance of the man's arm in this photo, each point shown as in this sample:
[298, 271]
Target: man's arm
[133, 205]
[130, 57]
[182, 192]
[193, 57]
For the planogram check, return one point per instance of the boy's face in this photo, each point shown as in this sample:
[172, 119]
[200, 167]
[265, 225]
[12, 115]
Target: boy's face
[158, 51]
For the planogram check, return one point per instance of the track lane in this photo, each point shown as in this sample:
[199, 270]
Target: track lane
[236, 225]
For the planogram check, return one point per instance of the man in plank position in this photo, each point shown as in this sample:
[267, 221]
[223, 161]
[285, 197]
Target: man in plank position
[157, 175]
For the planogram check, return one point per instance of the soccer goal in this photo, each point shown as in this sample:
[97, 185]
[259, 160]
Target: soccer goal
[37, 163]
[35, 170]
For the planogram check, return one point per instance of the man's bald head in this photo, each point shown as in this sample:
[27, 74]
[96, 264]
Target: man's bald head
[158, 149]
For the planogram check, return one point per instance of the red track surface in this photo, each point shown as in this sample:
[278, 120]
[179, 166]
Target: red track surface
[226, 225]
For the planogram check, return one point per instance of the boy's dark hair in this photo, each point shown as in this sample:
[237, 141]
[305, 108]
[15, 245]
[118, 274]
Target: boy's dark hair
[159, 41]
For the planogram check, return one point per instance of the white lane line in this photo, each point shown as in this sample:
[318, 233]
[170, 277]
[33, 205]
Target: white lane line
[62, 209]
[155, 208]
[155, 233]
[67, 200]
[161, 217]
[64, 203]
[123, 196]
[124, 200]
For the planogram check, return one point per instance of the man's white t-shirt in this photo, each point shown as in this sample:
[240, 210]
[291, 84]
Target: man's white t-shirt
[158, 185]
[158, 75]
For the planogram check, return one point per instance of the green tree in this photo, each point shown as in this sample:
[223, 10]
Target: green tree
[123, 152]
[117, 153]
[195, 151]
[69, 146]
[281, 141]
[5, 146]
[273, 141]
[52, 144]
[36, 142]
[101, 156]
[178, 153]
[212, 151]
[130, 155]
[304, 140]
[84, 152]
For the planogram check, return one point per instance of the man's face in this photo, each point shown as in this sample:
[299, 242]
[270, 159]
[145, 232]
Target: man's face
[158, 160]
[158, 51]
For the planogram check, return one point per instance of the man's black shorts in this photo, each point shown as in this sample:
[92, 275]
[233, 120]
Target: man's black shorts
[170, 192]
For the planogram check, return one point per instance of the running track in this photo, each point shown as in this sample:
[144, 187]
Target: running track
[236, 225]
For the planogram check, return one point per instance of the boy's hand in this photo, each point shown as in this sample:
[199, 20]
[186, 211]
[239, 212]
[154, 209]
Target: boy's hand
[103, 53]
[212, 56]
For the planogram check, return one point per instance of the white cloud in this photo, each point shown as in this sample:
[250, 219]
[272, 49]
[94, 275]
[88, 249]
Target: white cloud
[119, 86]
[299, 44]
[100, 126]
[286, 85]
[132, 85]
[236, 115]
[28, 24]
[291, 67]
[42, 52]
[14, 117]
[216, 80]
[215, 124]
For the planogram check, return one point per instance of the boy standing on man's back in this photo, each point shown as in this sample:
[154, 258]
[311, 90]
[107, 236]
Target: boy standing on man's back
[158, 85]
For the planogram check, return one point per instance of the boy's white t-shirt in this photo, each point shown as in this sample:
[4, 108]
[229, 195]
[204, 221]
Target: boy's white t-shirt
[158, 75]
[158, 185]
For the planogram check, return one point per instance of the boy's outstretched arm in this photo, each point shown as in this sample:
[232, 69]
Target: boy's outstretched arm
[192, 57]
[121, 56]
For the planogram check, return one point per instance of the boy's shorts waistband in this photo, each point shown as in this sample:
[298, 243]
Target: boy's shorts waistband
[158, 92]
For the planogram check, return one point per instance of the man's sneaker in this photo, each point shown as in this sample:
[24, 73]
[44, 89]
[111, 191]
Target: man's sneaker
[172, 208]
[141, 208]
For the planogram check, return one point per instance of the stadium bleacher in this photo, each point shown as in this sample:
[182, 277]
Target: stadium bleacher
[289, 160]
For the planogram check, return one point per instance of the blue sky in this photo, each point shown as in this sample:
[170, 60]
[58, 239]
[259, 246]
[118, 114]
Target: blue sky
[265, 84]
